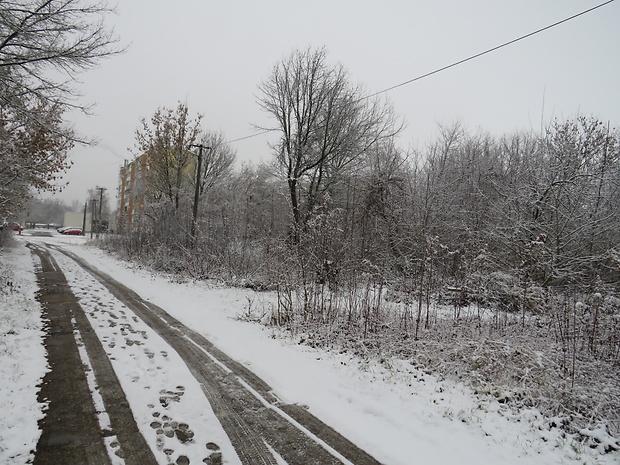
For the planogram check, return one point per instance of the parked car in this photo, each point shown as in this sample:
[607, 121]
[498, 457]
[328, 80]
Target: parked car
[72, 231]
[14, 226]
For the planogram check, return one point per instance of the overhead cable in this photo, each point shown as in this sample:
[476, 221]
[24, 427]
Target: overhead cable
[456, 63]
[477, 55]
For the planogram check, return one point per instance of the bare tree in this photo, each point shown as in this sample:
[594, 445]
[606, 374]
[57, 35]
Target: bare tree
[572, 209]
[326, 125]
[167, 139]
[217, 162]
[212, 166]
[99, 198]
[45, 43]
[46, 211]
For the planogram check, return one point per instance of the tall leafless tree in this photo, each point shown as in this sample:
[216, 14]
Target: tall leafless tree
[217, 162]
[326, 125]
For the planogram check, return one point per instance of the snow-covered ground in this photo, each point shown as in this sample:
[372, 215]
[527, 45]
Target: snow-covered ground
[22, 356]
[394, 411]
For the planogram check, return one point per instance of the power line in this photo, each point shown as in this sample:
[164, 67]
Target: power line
[251, 135]
[477, 55]
[456, 63]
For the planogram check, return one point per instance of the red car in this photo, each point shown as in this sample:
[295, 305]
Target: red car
[72, 231]
[13, 226]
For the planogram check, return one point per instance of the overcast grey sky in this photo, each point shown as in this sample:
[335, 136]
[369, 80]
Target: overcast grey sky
[213, 54]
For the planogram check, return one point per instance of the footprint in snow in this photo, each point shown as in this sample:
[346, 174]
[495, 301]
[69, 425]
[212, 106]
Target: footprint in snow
[216, 456]
[167, 397]
[116, 447]
[167, 430]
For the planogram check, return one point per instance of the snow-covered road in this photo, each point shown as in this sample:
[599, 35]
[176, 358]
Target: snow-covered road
[149, 348]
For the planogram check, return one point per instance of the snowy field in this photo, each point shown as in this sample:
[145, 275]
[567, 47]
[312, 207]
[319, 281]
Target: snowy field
[394, 411]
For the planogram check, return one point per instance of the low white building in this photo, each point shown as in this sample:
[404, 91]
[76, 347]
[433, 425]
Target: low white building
[77, 219]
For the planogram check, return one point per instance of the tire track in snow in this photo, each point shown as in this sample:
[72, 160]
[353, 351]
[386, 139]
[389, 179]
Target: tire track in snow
[70, 430]
[111, 442]
[245, 405]
[168, 403]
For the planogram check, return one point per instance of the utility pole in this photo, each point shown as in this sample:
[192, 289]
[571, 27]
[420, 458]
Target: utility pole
[197, 190]
[101, 189]
[93, 213]
[84, 219]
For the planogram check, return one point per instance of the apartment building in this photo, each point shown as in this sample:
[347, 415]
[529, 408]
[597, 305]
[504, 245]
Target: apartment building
[131, 195]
